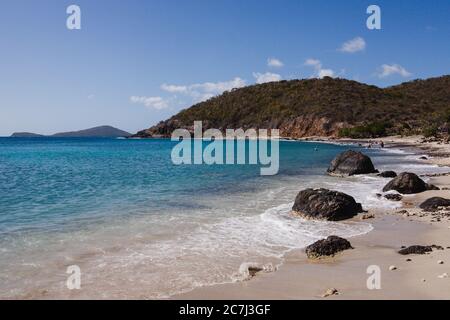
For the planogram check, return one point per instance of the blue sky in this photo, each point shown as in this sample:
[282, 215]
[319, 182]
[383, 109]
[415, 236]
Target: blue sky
[134, 63]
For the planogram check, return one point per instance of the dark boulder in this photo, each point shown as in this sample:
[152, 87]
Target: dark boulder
[408, 183]
[324, 204]
[434, 203]
[394, 197]
[350, 163]
[388, 174]
[327, 247]
[419, 249]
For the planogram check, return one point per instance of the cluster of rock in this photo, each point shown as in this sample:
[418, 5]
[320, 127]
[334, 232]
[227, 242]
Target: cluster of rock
[329, 205]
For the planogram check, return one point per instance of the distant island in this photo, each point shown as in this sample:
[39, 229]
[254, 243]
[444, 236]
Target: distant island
[97, 132]
[322, 107]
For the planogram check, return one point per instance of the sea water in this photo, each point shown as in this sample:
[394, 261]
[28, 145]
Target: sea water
[139, 226]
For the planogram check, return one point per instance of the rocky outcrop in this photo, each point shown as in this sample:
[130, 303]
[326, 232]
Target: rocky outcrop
[434, 204]
[324, 204]
[388, 174]
[350, 163]
[327, 247]
[419, 249]
[307, 126]
[408, 183]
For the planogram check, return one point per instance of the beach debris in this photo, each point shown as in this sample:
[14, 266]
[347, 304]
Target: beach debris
[408, 183]
[350, 163]
[416, 249]
[443, 276]
[440, 262]
[327, 247]
[392, 268]
[324, 204]
[367, 216]
[434, 203]
[248, 270]
[394, 197]
[330, 292]
[387, 174]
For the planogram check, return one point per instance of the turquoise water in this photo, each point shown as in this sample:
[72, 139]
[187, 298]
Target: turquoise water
[140, 227]
[49, 183]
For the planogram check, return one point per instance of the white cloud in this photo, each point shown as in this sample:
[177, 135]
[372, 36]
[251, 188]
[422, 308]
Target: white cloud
[157, 103]
[204, 91]
[319, 71]
[91, 96]
[275, 63]
[266, 77]
[313, 63]
[387, 70]
[173, 88]
[354, 45]
[325, 73]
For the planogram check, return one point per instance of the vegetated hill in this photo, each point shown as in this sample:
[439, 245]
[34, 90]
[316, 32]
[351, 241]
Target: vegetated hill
[97, 132]
[325, 107]
[25, 135]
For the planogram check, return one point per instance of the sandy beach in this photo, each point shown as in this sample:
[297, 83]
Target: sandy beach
[414, 277]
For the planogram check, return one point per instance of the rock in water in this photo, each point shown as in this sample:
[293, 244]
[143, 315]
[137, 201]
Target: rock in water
[434, 203]
[350, 163]
[327, 247]
[388, 174]
[324, 204]
[408, 183]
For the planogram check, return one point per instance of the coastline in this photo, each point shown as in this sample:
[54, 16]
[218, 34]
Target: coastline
[420, 278]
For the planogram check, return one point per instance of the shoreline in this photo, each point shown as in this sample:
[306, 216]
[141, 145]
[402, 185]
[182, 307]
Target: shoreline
[421, 278]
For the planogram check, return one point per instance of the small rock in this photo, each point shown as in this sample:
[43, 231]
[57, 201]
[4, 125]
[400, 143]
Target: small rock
[423, 280]
[330, 292]
[408, 260]
[392, 268]
[388, 174]
[419, 249]
[367, 216]
[327, 247]
[440, 262]
[433, 204]
[442, 276]
[394, 197]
